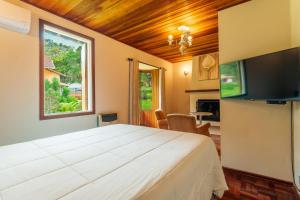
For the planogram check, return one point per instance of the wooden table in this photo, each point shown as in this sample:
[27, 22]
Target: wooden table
[201, 114]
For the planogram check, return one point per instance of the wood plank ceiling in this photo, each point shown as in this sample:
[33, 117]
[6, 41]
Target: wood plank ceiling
[146, 24]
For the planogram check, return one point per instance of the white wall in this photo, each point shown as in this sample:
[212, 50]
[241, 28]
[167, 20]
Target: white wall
[295, 41]
[255, 136]
[180, 99]
[19, 83]
[295, 22]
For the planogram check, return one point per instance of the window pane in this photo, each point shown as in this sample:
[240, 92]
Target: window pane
[67, 72]
[145, 90]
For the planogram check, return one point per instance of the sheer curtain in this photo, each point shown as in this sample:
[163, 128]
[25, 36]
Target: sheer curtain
[155, 89]
[134, 93]
[162, 89]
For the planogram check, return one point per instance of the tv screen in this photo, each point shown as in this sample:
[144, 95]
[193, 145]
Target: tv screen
[274, 76]
[233, 79]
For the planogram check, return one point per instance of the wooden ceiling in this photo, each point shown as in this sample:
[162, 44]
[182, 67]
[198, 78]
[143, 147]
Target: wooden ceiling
[146, 24]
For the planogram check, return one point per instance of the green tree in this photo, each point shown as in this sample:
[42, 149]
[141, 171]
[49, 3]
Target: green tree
[58, 99]
[145, 90]
[52, 96]
[67, 60]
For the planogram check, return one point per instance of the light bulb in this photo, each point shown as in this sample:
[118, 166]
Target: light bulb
[170, 39]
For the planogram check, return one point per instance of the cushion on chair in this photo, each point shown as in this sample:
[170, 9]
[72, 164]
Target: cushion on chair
[186, 123]
[163, 124]
[160, 114]
[161, 119]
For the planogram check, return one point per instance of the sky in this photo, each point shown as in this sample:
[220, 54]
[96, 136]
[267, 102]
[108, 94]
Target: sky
[62, 39]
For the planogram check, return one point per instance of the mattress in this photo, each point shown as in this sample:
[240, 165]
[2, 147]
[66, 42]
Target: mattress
[110, 163]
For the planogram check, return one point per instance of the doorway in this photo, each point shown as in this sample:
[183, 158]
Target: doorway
[149, 94]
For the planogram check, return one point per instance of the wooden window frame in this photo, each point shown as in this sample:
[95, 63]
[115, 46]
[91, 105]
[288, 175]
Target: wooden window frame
[42, 115]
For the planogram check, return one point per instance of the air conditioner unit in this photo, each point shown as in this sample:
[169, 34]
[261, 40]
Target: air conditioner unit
[105, 119]
[14, 18]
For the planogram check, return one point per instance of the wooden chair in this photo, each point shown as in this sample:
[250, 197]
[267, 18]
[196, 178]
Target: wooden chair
[187, 123]
[161, 119]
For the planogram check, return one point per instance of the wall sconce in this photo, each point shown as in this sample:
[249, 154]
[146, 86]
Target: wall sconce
[185, 72]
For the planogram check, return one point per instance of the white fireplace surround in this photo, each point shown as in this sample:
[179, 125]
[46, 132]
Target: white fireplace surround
[195, 84]
[195, 96]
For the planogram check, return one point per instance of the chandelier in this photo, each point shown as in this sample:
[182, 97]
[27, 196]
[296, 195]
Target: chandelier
[184, 41]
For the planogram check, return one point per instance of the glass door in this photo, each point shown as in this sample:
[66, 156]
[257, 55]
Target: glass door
[148, 95]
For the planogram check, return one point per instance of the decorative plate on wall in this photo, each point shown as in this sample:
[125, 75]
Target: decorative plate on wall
[208, 67]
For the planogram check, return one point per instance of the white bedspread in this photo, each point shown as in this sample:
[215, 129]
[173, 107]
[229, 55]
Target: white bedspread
[113, 162]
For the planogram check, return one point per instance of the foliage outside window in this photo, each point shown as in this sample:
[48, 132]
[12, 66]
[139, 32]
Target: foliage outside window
[145, 90]
[66, 72]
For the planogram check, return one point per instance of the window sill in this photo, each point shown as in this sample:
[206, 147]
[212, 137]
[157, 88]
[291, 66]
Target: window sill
[65, 115]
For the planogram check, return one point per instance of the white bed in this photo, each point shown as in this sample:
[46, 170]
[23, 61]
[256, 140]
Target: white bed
[112, 162]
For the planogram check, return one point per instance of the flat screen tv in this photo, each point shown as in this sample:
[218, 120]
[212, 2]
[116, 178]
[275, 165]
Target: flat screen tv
[274, 76]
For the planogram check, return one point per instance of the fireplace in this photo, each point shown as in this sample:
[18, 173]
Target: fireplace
[209, 105]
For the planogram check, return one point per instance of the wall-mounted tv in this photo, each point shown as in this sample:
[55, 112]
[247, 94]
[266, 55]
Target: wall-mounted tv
[274, 76]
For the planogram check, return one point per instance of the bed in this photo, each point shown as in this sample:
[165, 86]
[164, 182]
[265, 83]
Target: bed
[112, 162]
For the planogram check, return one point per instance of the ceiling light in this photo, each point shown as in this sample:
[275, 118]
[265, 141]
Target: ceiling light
[185, 40]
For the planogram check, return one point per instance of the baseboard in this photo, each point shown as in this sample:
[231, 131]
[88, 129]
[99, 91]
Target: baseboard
[254, 185]
[258, 176]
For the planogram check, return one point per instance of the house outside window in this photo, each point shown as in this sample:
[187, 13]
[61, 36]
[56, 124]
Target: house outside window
[66, 72]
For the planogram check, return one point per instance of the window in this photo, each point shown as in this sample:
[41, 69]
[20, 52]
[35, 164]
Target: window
[145, 90]
[66, 72]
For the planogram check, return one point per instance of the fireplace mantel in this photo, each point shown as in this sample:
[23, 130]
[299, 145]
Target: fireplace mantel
[202, 90]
